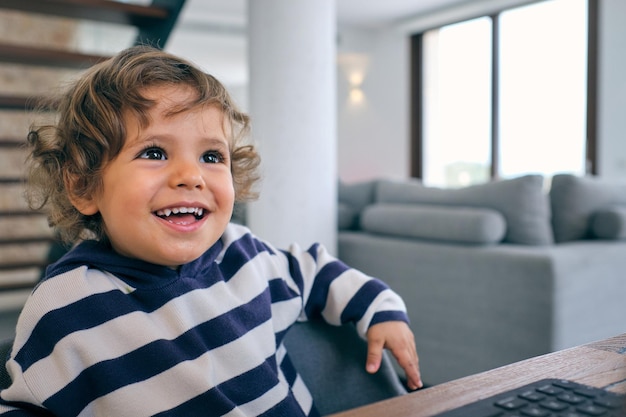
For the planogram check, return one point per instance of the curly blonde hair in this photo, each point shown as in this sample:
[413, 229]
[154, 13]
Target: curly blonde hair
[67, 157]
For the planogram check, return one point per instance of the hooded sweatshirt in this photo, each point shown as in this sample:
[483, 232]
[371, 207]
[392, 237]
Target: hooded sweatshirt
[107, 335]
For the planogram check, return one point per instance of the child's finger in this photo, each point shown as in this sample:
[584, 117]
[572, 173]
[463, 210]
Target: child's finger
[408, 360]
[414, 380]
[374, 355]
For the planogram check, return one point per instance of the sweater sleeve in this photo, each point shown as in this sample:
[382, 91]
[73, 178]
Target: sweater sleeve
[17, 400]
[338, 293]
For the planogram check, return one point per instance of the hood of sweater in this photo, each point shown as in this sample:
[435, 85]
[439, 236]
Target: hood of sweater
[135, 272]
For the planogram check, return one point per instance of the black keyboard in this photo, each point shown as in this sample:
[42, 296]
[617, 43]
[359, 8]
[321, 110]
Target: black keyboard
[546, 398]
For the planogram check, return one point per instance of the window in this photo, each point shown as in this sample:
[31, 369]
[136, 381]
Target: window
[502, 96]
[457, 94]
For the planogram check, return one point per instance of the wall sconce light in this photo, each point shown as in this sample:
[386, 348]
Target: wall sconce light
[354, 66]
[356, 95]
[356, 79]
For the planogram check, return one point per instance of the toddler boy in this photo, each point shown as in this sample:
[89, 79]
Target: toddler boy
[164, 307]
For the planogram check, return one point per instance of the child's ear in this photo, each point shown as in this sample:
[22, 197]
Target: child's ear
[86, 205]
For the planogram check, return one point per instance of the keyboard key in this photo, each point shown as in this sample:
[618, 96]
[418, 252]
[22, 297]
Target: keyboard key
[534, 411]
[492, 413]
[550, 389]
[511, 403]
[571, 398]
[563, 383]
[532, 395]
[610, 401]
[554, 405]
[592, 410]
[587, 392]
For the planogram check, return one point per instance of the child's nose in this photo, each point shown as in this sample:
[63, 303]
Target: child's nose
[188, 175]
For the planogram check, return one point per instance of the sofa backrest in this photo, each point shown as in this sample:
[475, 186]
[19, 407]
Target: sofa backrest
[521, 203]
[587, 207]
[517, 210]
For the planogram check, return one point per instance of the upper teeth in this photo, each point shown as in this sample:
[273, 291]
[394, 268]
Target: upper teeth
[176, 210]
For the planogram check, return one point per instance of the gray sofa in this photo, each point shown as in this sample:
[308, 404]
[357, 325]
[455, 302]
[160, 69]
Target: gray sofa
[493, 273]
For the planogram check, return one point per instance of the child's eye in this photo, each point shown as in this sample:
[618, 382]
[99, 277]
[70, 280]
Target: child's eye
[212, 157]
[153, 153]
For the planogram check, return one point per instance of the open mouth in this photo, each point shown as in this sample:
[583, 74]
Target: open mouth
[181, 215]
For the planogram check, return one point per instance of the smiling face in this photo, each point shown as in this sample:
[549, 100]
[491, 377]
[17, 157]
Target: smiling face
[168, 195]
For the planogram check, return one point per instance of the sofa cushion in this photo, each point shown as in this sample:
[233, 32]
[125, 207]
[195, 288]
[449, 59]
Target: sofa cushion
[522, 201]
[575, 199]
[346, 217]
[358, 194]
[353, 197]
[609, 223]
[442, 223]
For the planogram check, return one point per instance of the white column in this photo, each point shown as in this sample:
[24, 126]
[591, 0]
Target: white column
[292, 58]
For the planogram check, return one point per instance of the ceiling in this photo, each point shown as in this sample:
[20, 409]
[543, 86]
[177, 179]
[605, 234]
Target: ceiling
[376, 13]
[212, 33]
[360, 13]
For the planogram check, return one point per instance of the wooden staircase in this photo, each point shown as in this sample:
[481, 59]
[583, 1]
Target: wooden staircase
[25, 237]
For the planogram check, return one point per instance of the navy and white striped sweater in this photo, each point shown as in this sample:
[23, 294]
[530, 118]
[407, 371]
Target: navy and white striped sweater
[106, 335]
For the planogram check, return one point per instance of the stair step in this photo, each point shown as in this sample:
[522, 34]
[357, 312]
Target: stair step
[13, 102]
[6, 143]
[97, 10]
[26, 240]
[47, 57]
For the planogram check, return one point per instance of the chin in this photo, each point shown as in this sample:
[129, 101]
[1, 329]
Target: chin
[176, 261]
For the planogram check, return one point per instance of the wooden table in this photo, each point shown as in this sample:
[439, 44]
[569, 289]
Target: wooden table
[599, 364]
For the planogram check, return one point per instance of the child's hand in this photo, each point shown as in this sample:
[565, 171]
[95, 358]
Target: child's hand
[398, 338]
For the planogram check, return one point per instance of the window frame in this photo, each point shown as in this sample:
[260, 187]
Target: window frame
[417, 100]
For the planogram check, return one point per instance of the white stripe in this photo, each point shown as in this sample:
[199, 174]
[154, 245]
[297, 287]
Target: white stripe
[73, 285]
[188, 379]
[285, 313]
[18, 390]
[281, 352]
[302, 395]
[385, 301]
[341, 291]
[60, 291]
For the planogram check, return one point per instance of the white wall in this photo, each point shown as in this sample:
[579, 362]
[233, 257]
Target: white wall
[373, 135]
[374, 138]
